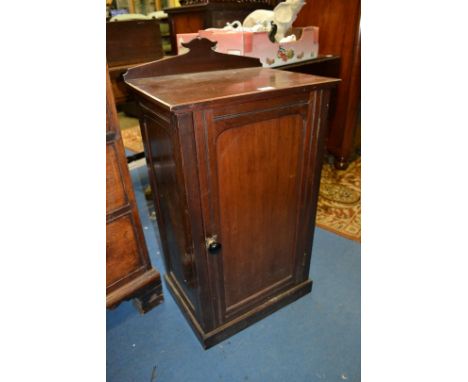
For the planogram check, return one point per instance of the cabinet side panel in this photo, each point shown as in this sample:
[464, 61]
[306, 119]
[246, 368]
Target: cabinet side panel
[164, 162]
[258, 171]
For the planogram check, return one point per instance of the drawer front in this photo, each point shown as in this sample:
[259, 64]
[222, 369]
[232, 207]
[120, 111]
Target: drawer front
[116, 196]
[122, 250]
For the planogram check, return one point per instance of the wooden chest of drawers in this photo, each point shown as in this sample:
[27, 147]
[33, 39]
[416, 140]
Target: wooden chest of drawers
[128, 268]
[234, 158]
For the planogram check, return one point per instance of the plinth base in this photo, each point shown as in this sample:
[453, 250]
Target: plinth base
[209, 339]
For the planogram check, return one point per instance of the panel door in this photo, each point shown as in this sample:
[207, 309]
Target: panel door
[253, 181]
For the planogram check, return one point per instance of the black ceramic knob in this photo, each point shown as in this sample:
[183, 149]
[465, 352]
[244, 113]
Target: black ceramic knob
[214, 247]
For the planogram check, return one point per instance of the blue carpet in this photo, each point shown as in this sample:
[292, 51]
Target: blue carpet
[129, 153]
[316, 338]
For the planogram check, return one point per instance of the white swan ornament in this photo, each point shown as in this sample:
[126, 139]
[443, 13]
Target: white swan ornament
[283, 16]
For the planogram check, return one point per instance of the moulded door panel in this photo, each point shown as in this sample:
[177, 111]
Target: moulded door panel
[254, 166]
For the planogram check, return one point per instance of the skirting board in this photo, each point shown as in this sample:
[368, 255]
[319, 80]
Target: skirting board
[209, 339]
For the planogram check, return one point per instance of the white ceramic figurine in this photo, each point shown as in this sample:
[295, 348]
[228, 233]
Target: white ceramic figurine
[283, 16]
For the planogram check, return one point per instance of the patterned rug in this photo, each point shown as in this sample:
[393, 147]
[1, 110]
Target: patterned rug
[339, 205]
[131, 135]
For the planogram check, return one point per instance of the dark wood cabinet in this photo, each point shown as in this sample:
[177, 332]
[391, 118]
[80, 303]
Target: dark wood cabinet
[234, 158]
[340, 34]
[128, 268]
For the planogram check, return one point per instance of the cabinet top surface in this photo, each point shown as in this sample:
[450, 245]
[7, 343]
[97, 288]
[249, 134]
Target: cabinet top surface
[185, 90]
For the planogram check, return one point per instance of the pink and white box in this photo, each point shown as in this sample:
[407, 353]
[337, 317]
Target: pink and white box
[258, 45]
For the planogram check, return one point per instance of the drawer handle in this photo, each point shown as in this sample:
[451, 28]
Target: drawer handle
[110, 136]
[213, 245]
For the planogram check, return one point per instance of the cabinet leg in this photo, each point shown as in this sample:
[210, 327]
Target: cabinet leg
[149, 298]
[341, 163]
